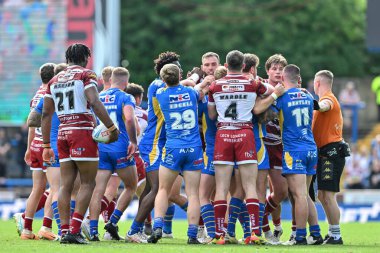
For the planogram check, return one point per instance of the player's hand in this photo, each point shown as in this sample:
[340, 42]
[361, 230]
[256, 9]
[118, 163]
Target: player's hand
[27, 157]
[48, 156]
[132, 148]
[114, 136]
[279, 89]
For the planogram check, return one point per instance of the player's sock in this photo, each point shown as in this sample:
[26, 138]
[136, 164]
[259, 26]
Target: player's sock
[72, 207]
[158, 223]
[136, 227]
[208, 215]
[148, 219]
[270, 205]
[253, 210]
[261, 216]
[64, 229]
[42, 201]
[94, 227]
[115, 217]
[220, 208]
[335, 231]
[28, 223]
[111, 208]
[201, 222]
[167, 229]
[76, 223]
[54, 206]
[104, 204]
[192, 231]
[277, 223]
[47, 222]
[300, 234]
[23, 216]
[315, 230]
[184, 206]
[294, 227]
[265, 227]
[244, 220]
[233, 213]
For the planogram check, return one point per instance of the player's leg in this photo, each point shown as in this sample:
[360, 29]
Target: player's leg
[97, 204]
[111, 196]
[74, 194]
[166, 180]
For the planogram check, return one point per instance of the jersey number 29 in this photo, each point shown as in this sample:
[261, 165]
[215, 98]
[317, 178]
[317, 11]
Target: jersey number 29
[184, 120]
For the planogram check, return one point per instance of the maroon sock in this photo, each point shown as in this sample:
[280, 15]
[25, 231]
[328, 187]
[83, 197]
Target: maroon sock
[148, 219]
[64, 229]
[201, 223]
[47, 222]
[43, 198]
[104, 204]
[220, 209]
[270, 205]
[277, 222]
[76, 223]
[294, 225]
[265, 227]
[28, 224]
[253, 211]
[23, 216]
[110, 209]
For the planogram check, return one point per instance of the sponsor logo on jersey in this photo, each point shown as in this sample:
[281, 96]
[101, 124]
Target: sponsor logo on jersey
[179, 98]
[297, 95]
[77, 151]
[186, 150]
[234, 87]
[107, 99]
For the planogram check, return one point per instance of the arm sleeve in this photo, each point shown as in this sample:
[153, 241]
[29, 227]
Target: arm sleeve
[39, 106]
[129, 100]
[262, 89]
[90, 79]
[211, 100]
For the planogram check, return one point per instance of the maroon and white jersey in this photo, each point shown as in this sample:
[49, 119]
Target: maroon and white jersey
[234, 97]
[33, 103]
[71, 105]
[142, 118]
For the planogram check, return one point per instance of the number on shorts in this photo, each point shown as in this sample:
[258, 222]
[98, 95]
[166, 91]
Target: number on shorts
[186, 120]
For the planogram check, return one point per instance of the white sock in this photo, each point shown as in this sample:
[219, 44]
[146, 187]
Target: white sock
[335, 231]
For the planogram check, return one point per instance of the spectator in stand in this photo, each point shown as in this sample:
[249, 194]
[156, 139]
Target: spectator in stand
[357, 168]
[376, 89]
[375, 161]
[349, 96]
[4, 150]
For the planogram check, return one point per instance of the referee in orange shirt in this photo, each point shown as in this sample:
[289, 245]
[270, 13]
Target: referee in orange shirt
[332, 150]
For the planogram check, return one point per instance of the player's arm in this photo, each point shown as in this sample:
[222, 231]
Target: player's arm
[34, 119]
[138, 129]
[212, 113]
[262, 104]
[324, 105]
[31, 134]
[101, 112]
[47, 115]
[130, 125]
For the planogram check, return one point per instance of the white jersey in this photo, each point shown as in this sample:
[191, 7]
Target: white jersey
[234, 97]
[142, 118]
[71, 105]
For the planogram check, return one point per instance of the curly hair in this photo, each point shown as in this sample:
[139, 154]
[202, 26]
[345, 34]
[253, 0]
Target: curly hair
[164, 58]
[77, 53]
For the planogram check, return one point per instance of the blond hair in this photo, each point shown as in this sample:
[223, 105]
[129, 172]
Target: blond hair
[210, 54]
[119, 75]
[170, 74]
[220, 72]
[106, 73]
[325, 75]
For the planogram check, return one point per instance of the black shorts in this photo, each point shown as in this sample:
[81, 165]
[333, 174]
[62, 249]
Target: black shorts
[330, 166]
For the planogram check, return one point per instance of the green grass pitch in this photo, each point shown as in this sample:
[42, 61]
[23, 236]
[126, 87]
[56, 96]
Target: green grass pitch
[357, 238]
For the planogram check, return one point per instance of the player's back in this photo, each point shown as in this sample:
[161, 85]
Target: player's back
[296, 114]
[142, 119]
[234, 97]
[114, 101]
[179, 107]
[68, 92]
[154, 133]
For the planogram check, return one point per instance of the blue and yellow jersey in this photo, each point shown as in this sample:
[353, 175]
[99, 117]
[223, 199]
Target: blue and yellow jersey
[259, 129]
[208, 126]
[54, 123]
[296, 116]
[154, 133]
[179, 105]
[114, 101]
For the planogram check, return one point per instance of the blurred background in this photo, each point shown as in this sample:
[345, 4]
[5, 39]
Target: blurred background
[342, 36]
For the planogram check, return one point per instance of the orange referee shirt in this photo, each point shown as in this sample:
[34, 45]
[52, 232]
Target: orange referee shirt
[327, 126]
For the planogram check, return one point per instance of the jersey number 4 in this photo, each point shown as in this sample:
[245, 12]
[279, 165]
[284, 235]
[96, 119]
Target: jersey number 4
[231, 111]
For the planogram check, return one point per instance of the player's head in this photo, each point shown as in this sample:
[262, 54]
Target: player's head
[137, 91]
[47, 72]
[220, 72]
[170, 74]
[251, 62]
[274, 66]
[60, 67]
[119, 77]
[78, 54]
[106, 74]
[324, 79]
[210, 61]
[235, 61]
[291, 75]
[166, 58]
